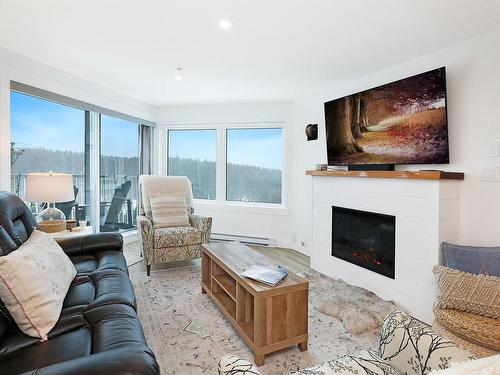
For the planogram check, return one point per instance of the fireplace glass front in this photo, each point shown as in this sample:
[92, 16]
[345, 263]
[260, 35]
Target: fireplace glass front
[366, 239]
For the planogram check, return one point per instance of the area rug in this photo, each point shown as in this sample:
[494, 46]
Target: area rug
[132, 259]
[188, 334]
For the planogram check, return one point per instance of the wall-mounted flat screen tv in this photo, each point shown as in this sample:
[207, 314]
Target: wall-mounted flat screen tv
[402, 122]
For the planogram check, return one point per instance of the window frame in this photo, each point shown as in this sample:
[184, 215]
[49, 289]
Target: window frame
[217, 144]
[220, 200]
[226, 164]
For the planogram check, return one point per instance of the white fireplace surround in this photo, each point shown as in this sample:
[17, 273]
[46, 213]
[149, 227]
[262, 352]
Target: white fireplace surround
[427, 213]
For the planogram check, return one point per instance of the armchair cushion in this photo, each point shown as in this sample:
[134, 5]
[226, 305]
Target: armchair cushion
[176, 236]
[169, 210]
[168, 185]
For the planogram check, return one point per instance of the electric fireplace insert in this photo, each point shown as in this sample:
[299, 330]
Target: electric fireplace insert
[366, 239]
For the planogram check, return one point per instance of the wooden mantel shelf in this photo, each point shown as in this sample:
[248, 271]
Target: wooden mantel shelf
[409, 175]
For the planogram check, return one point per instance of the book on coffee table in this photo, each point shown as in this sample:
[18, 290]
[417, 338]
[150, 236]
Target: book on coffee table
[269, 275]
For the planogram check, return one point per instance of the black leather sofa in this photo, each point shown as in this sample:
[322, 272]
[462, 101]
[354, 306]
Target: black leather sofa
[98, 331]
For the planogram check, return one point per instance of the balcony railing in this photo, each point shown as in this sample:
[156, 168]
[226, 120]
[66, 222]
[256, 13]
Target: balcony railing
[126, 213]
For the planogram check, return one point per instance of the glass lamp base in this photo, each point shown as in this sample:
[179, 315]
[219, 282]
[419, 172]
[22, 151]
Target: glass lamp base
[51, 220]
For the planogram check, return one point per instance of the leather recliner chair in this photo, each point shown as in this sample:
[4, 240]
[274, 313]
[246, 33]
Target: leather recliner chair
[98, 331]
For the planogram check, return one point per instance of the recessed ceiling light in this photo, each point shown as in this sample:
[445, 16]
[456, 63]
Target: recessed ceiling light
[225, 24]
[178, 76]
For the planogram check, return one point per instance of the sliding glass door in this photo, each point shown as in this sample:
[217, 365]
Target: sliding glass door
[49, 137]
[100, 151]
[119, 174]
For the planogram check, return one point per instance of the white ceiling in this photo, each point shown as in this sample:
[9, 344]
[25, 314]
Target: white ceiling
[276, 49]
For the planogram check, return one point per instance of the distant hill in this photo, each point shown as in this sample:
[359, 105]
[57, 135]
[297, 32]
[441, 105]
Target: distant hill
[245, 182]
[43, 160]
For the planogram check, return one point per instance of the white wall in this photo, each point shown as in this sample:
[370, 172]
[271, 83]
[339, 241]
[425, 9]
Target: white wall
[229, 218]
[473, 80]
[24, 70]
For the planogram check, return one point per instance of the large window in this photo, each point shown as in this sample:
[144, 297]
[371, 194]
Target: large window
[254, 165]
[193, 153]
[247, 162]
[100, 148]
[119, 173]
[47, 136]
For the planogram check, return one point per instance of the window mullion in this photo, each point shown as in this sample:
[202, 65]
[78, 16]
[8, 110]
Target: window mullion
[95, 168]
[221, 165]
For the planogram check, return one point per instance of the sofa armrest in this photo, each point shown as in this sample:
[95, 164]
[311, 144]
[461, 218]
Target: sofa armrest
[202, 223]
[120, 361]
[412, 347]
[233, 365]
[91, 243]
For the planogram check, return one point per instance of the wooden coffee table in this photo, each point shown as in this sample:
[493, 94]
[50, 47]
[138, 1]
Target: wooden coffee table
[267, 318]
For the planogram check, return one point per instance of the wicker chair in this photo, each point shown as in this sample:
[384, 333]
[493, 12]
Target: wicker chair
[163, 245]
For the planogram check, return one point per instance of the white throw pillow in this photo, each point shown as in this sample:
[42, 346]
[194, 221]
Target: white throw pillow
[169, 210]
[34, 280]
[482, 366]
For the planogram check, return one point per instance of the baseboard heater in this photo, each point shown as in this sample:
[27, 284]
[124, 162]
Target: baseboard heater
[247, 240]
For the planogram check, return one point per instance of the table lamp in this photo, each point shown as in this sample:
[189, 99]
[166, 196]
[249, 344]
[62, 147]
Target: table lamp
[50, 188]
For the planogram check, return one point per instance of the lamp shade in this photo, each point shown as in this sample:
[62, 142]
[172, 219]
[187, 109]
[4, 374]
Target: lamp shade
[49, 187]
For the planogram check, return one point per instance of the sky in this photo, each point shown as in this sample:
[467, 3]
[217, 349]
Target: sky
[40, 123]
[258, 147]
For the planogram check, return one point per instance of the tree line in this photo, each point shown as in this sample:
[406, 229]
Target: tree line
[44, 160]
[244, 182]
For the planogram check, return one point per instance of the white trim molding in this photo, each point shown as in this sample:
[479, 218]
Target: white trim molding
[4, 134]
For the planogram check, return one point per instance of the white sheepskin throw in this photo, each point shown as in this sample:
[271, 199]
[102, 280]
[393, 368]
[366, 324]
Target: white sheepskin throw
[359, 309]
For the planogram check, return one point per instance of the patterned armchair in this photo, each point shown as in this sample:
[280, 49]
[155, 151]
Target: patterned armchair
[163, 245]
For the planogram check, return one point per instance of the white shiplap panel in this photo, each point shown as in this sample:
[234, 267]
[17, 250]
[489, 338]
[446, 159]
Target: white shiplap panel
[426, 213]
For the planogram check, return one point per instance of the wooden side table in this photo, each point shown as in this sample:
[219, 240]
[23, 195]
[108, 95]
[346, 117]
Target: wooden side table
[267, 318]
[78, 231]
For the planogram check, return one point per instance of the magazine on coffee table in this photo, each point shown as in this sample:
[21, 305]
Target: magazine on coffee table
[269, 275]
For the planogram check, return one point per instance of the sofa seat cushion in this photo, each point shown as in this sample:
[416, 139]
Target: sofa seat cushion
[101, 260]
[102, 329]
[16, 340]
[365, 362]
[176, 236]
[73, 344]
[478, 329]
[97, 289]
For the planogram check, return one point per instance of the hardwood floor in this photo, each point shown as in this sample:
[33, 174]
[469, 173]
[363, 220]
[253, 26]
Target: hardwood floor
[288, 258]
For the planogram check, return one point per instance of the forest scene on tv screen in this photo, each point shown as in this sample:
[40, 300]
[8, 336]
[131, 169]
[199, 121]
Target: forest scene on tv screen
[403, 122]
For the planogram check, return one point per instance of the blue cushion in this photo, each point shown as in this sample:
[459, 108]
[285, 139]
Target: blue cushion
[472, 259]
